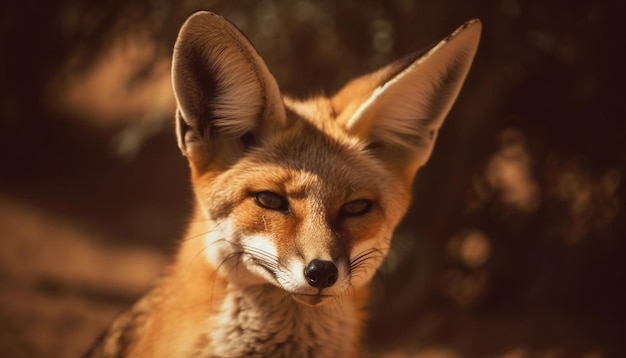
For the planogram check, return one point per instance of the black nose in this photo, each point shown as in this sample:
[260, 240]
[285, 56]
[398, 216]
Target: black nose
[321, 274]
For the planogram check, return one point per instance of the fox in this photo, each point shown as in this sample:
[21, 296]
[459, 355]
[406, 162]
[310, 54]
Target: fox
[295, 201]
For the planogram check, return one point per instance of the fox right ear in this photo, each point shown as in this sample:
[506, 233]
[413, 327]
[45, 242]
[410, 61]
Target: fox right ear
[224, 90]
[402, 106]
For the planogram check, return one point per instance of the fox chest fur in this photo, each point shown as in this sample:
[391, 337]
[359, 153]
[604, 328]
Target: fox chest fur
[295, 201]
[254, 323]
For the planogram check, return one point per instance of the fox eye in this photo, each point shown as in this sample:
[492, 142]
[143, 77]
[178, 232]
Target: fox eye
[270, 200]
[356, 208]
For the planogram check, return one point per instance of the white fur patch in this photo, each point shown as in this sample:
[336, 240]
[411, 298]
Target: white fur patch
[262, 243]
[217, 246]
[293, 279]
[236, 259]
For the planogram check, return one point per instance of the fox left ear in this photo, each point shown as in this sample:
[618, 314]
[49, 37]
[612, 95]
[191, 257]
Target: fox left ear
[402, 106]
[226, 95]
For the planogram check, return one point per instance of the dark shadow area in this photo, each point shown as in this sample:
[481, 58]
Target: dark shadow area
[515, 243]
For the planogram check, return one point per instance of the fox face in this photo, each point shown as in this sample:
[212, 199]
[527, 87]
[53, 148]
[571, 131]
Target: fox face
[305, 195]
[303, 210]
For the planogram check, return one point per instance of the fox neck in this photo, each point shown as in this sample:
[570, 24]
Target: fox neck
[263, 321]
[240, 318]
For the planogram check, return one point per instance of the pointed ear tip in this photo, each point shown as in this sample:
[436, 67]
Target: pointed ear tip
[195, 26]
[468, 34]
[200, 18]
[201, 15]
[473, 26]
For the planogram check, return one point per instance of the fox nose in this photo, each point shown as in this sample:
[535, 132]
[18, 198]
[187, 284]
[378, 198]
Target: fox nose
[321, 274]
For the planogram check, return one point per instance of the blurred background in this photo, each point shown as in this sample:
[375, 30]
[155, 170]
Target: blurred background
[515, 244]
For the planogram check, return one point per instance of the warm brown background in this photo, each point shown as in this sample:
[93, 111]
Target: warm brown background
[515, 245]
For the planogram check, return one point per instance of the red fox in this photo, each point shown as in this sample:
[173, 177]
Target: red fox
[295, 201]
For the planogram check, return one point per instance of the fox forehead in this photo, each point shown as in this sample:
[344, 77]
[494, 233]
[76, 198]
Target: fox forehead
[315, 154]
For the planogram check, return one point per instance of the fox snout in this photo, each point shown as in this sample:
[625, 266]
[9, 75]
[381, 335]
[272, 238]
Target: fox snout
[321, 274]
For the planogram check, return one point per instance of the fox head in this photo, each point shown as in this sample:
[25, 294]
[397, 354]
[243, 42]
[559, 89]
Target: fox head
[305, 195]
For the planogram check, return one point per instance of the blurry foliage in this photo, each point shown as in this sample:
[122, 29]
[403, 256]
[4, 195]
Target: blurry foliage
[520, 208]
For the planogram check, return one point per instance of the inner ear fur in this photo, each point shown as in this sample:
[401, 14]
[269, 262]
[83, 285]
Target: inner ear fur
[400, 108]
[224, 91]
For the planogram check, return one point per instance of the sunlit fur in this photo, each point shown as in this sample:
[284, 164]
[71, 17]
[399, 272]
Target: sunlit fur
[237, 287]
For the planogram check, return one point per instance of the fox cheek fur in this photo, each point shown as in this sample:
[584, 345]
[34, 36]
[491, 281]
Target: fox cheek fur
[295, 201]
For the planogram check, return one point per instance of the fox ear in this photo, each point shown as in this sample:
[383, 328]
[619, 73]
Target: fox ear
[224, 90]
[402, 106]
